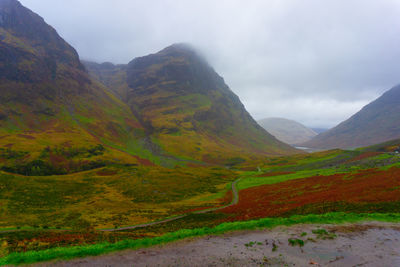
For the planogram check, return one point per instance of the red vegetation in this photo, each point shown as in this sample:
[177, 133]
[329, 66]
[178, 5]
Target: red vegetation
[144, 162]
[364, 155]
[368, 186]
[227, 198]
[132, 123]
[209, 159]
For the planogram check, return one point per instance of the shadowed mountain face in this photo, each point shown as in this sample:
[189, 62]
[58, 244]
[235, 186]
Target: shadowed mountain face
[187, 108]
[377, 122]
[47, 98]
[288, 131]
[31, 52]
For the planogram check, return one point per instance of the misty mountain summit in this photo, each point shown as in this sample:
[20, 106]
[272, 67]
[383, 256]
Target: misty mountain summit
[179, 98]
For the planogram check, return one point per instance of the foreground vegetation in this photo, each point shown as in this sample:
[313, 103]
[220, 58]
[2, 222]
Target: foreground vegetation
[97, 249]
[43, 216]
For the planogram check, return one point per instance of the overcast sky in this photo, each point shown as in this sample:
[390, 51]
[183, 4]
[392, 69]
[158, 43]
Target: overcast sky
[314, 61]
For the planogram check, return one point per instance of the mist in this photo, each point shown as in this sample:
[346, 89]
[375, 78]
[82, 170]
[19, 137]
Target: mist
[317, 62]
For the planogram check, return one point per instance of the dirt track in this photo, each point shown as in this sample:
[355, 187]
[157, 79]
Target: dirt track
[367, 244]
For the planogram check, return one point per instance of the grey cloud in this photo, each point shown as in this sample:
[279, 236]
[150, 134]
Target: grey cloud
[314, 61]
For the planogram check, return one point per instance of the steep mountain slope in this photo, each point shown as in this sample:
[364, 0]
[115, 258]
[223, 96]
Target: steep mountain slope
[375, 123]
[48, 102]
[288, 131]
[187, 108]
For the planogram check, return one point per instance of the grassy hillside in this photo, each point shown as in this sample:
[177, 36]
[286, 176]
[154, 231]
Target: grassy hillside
[108, 197]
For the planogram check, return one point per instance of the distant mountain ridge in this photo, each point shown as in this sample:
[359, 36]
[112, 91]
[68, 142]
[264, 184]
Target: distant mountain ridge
[319, 130]
[375, 123]
[288, 131]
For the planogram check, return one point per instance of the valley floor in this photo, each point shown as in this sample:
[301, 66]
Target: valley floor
[362, 244]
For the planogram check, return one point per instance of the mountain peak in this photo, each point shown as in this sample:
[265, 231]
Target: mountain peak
[9, 3]
[15, 16]
[179, 47]
[47, 50]
[178, 94]
[185, 50]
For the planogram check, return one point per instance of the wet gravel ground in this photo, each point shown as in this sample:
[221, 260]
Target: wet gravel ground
[366, 244]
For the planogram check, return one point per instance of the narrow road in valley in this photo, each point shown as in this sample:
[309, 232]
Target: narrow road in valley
[235, 200]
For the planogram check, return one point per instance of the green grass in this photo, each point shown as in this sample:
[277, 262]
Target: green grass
[252, 181]
[323, 234]
[97, 249]
[84, 119]
[296, 242]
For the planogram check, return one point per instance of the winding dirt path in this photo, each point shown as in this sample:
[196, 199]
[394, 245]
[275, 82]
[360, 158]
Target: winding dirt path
[234, 201]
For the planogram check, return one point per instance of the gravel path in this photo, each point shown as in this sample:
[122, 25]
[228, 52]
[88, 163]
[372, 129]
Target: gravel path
[366, 244]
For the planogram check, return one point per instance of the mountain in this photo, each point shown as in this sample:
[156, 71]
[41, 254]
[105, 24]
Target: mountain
[375, 123]
[50, 108]
[55, 118]
[186, 107]
[319, 130]
[288, 131]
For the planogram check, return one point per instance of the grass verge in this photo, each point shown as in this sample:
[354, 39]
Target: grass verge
[97, 249]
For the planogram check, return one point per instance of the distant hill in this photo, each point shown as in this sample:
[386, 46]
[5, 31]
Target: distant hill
[319, 130]
[288, 131]
[375, 123]
[186, 107]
